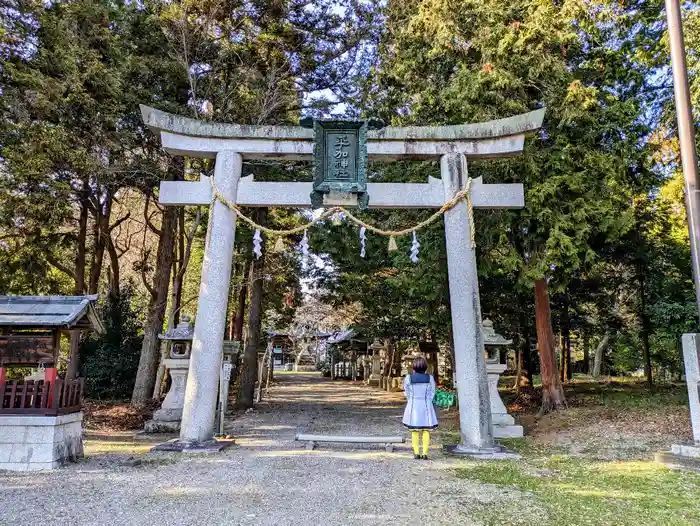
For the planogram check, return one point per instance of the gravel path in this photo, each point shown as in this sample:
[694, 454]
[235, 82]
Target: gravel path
[266, 479]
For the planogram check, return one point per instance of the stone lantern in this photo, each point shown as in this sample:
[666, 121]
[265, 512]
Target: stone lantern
[376, 367]
[503, 424]
[167, 418]
[407, 362]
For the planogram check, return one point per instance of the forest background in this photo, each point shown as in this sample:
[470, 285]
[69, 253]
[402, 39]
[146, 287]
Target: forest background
[594, 271]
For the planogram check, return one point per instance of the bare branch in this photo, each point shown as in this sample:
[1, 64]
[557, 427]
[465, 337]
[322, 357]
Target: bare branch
[144, 258]
[120, 221]
[149, 287]
[147, 217]
[113, 261]
[128, 243]
[188, 247]
[60, 266]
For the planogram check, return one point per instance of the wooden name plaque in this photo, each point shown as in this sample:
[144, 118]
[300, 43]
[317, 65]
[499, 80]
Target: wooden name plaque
[27, 350]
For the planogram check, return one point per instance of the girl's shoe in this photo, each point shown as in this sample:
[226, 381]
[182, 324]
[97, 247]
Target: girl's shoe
[417, 457]
[424, 457]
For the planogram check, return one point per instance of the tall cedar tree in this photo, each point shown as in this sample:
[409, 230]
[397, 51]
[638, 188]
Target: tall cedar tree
[442, 62]
[71, 134]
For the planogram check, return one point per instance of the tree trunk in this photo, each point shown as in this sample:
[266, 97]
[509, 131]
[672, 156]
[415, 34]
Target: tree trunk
[229, 324]
[389, 362]
[270, 369]
[318, 344]
[569, 370]
[103, 211]
[232, 300]
[74, 358]
[599, 353]
[300, 354]
[527, 352]
[646, 325]
[74, 361]
[240, 310]
[333, 365]
[113, 288]
[518, 369]
[566, 340]
[160, 374]
[179, 267]
[234, 294]
[527, 361]
[148, 363]
[646, 352]
[527, 356]
[643, 314]
[184, 248]
[173, 316]
[184, 252]
[586, 353]
[564, 357]
[523, 373]
[552, 391]
[175, 296]
[390, 350]
[249, 370]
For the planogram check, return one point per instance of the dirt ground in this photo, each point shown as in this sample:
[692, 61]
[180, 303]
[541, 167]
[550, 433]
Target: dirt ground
[620, 419]
[267, 478]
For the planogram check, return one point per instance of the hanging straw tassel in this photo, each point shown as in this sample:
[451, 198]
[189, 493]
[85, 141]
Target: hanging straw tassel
[279, 245]
[392, 244]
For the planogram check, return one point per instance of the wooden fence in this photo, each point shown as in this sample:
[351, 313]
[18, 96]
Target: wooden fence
[27, 397]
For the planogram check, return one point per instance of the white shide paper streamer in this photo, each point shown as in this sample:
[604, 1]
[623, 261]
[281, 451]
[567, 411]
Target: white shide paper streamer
[363, 239]
[257, 244]
[415, 246]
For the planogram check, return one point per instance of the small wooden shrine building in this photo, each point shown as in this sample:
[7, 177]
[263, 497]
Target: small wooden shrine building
[31, 326]
[348, 350]
[41, 418]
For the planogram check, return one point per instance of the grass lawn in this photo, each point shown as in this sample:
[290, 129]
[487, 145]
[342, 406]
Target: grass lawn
[591, 464]
[548, 488]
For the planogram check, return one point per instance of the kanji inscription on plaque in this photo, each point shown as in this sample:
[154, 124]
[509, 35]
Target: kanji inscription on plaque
[340, 161]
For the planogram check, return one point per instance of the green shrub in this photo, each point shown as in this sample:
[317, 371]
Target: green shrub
[110, 360]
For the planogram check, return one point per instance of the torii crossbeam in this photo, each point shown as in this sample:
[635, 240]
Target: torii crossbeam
[231, 144]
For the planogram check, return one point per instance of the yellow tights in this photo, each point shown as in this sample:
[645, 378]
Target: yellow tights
[415, 440]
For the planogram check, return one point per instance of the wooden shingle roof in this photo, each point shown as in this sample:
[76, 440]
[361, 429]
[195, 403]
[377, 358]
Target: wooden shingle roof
[65, 312]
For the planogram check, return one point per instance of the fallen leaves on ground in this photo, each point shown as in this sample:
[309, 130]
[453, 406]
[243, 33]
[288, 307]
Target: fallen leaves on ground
[117, 416]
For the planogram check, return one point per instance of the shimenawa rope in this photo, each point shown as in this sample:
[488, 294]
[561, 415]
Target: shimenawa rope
[327, 213]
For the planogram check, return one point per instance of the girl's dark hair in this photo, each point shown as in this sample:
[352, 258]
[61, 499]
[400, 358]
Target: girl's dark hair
[420, 365]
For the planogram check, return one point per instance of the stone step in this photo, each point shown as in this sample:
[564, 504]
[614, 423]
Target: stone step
[683, 462]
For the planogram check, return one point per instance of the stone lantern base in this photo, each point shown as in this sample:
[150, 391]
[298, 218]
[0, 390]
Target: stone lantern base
[167, 418]
[375, 369]
[504, 425]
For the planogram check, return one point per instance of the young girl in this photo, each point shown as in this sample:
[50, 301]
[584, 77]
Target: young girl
[420, 413]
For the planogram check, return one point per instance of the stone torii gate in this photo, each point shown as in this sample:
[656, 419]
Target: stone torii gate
[232, 144]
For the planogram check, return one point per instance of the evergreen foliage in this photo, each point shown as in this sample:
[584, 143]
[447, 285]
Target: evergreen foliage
[110, 360]
[603, 234]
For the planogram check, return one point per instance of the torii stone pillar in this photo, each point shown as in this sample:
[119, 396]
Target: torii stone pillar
[687, 456]
[230, 144]
[472, 390]
[207, 345]
[691, 355]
